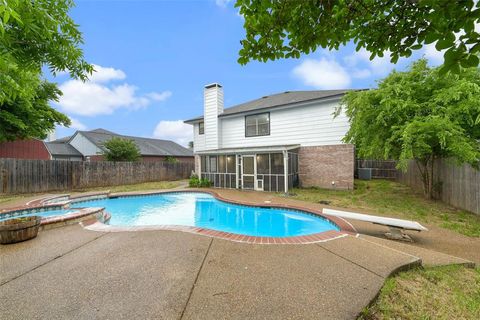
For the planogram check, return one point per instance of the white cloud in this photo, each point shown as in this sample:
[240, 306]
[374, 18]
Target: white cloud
[77, 125]
[322, 74]
[379, 66]
[174, 130]
[434, 56]
[103, 74]
[222, 3]
[159, 96]
[98, 96]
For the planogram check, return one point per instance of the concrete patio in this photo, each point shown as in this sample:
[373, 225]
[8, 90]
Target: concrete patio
[73, 273]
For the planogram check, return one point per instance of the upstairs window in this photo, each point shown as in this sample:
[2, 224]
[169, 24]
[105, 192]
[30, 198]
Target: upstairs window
[201, 127]
[257, 125]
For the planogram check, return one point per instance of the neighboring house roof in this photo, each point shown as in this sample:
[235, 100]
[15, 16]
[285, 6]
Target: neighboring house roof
[278, 100]
[59, 148]
[147, 146]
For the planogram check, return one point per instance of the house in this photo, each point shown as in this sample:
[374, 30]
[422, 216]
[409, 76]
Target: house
[273, 143]
[88, 145]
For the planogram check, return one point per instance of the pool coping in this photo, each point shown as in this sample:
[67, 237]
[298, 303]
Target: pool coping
[94, 221]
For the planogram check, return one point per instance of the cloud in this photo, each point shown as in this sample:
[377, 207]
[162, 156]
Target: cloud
[159, 96]
[325, 73]
[98, 96]
[379, 66]
[434, 56]
[103, 74]
[174, 130]
[77, 125]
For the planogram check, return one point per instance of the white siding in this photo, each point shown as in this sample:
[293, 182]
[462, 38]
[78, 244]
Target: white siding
[198, 139]
[308, 125]
[84, 146]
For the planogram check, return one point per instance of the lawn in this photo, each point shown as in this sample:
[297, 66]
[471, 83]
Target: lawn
[388, 198]
[6, 198]
[449, 292]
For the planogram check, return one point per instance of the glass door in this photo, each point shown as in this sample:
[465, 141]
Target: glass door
[248, 172]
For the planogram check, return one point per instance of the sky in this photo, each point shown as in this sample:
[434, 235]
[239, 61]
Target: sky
[153, 58]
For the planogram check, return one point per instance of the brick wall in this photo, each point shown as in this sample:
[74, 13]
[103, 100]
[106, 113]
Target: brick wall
[319, 166]
[197, 164]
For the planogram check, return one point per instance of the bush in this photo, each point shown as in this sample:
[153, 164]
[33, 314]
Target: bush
[118, 149]
[196, 182]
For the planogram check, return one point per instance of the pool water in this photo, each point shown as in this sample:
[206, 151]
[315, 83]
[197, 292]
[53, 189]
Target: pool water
[203, 210]
[43, 214]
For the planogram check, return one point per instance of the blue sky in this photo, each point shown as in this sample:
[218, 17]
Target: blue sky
[154, 57]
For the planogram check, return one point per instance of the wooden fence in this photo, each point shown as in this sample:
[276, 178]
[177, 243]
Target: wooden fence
[459, 185]
[25, 176]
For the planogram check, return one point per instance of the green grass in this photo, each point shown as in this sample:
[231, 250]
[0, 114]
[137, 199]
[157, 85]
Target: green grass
[5, 199]
[448, 292]
[393, 199]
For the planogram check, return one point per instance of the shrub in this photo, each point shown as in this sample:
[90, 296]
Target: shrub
[196, 182]
[171, 159]
[118, 149]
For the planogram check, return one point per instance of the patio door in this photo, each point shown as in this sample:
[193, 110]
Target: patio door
[248, 172]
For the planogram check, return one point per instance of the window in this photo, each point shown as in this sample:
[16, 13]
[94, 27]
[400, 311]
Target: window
[257, 125]
[201, 127]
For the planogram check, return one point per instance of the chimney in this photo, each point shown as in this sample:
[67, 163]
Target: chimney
[212, 107]
[52, 135]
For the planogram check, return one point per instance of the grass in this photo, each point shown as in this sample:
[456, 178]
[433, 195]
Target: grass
[387, 198]
[5, 199]
[448, 292]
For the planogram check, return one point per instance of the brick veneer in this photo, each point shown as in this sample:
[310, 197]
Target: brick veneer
[319, 166]
[197, 164]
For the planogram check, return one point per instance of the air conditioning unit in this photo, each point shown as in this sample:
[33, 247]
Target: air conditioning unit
[365, 173]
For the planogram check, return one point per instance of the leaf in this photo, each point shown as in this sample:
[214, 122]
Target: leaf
[443, 44]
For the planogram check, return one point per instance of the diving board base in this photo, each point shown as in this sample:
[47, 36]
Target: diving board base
[397, 234]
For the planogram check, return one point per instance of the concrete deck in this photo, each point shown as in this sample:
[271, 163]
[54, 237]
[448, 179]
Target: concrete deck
[73, 273]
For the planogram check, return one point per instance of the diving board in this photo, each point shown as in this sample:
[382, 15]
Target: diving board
[396, 225]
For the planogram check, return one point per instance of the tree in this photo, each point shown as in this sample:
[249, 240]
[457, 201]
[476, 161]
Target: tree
[118, 149]
[34, 34]
[28, 113]
[287, 28]
[418, 115]
[40, 32]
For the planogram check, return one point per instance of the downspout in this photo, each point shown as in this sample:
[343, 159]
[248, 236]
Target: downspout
[285, 170]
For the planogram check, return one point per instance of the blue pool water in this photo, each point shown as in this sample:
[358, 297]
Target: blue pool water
[44, 214]
[203, 210]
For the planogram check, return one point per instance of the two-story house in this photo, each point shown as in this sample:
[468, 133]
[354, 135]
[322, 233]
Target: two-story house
[273, 143]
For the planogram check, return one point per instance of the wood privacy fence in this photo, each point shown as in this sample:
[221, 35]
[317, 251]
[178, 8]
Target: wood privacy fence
[25, 176]
[458, 186]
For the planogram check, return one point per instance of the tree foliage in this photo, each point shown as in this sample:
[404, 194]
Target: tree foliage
[118, 149]
[287, 28]
[419, 114]
[34, 34]
[27, 113]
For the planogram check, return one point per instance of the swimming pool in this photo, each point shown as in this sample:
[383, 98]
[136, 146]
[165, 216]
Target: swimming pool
[202, 210]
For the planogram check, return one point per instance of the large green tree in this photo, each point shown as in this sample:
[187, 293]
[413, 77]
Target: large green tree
[288, 28]
[33, 35]
[419, 115]
[118, 149]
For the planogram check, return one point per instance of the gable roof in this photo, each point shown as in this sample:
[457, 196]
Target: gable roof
[279, 100]
[61, 148]
[147, 146]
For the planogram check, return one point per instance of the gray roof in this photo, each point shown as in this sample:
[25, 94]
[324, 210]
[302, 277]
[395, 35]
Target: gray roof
[60, 148]
[278, 100]
[147, 146]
